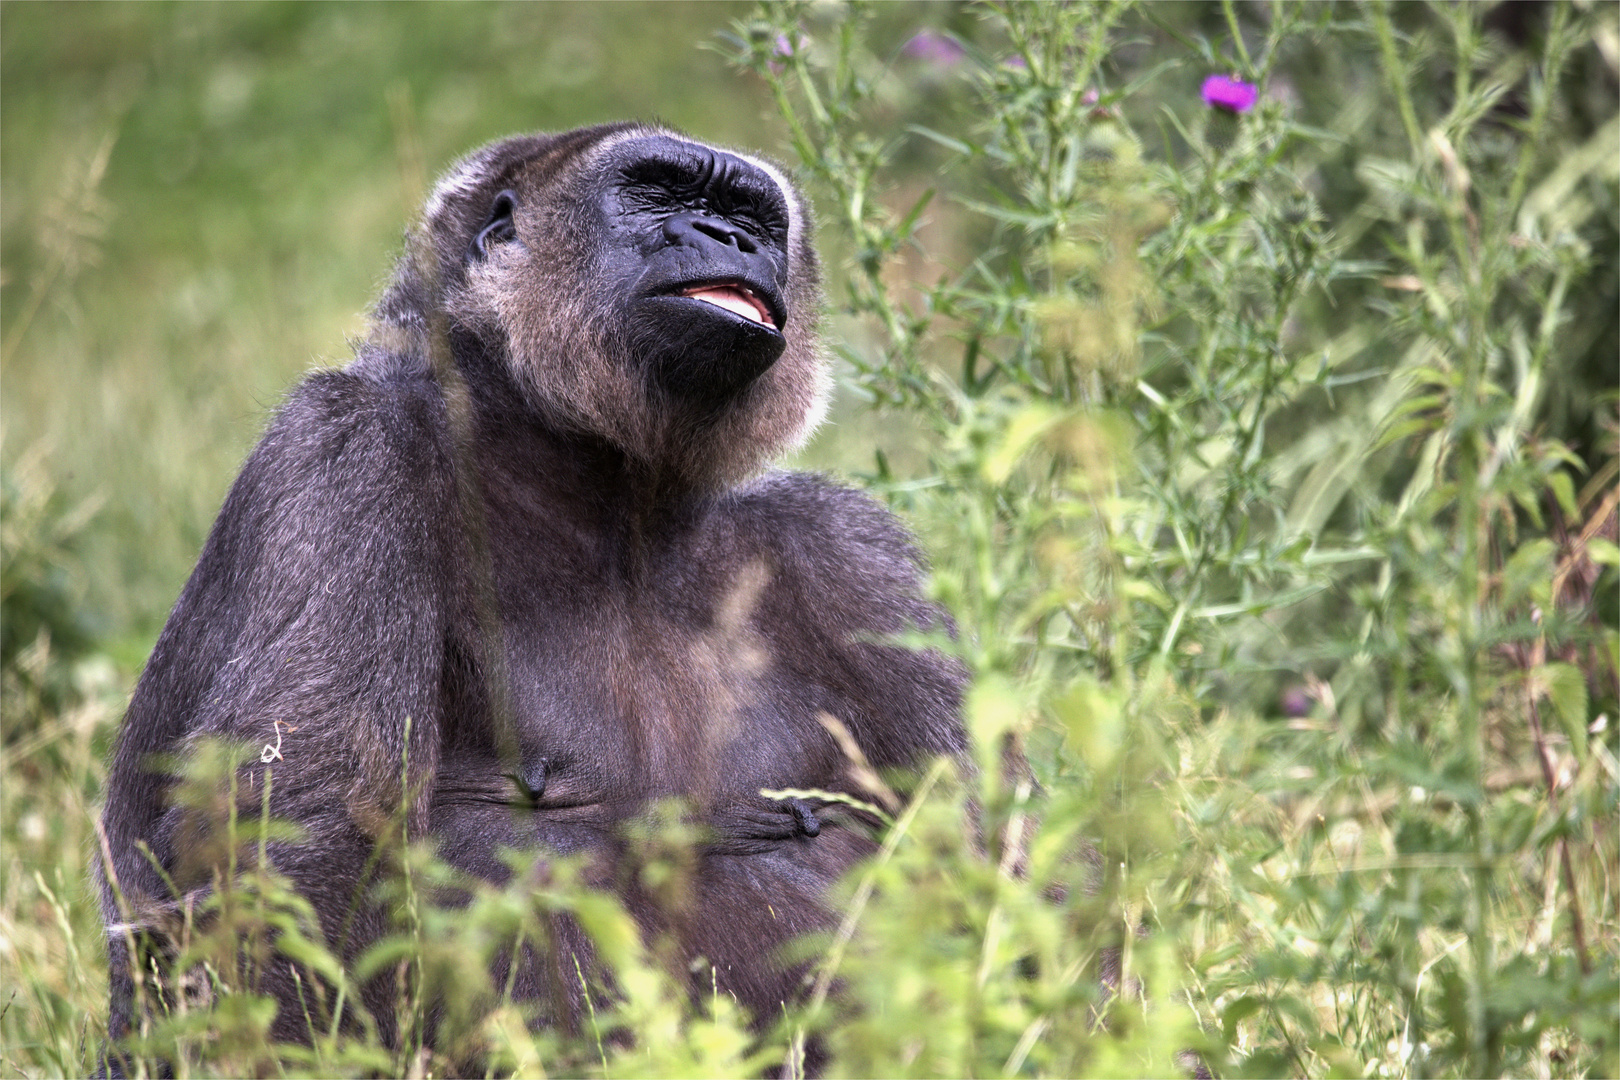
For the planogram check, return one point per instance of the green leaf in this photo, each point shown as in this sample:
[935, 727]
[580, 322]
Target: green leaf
[1603, 552]
[1028, 425]
[1094, 717]
[1528, 573]
[384, 954]
[1563, 488]
[1400, 429]
[955, 145]
[994, 707]
[1238, 1011]
[1565, 685]
[297, 947]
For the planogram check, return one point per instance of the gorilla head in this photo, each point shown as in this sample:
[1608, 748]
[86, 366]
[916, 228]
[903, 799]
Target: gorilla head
[635, 285]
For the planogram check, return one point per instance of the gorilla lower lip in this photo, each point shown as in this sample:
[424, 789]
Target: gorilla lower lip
[735, 299]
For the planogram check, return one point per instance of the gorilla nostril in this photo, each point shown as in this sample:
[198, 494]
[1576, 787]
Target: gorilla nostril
[724, 233]
[681, 229]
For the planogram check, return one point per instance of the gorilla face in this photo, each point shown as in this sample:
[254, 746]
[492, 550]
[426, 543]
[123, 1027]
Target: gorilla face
[630, 285]
[698, 242]
[693, 244]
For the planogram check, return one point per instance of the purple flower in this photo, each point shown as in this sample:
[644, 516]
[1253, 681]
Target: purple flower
[1295, 701]
[1015, 62]
[784, 48]
[1229, 93]
[934, 47]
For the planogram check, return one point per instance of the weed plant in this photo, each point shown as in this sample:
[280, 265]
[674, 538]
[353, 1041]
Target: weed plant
[1268, 468]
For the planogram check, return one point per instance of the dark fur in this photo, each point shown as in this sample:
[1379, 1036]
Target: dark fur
[580, 589]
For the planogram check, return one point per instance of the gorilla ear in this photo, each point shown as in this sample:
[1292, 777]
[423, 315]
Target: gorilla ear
[498, 228]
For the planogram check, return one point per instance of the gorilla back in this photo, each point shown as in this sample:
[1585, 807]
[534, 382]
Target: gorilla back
[519, 570]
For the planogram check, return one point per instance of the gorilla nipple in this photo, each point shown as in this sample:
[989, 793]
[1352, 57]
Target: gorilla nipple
[531, 781]
[805, 817]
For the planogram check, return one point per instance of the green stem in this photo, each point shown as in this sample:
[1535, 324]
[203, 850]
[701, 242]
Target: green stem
[1471, 349]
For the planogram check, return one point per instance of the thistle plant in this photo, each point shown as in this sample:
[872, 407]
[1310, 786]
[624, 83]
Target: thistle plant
[1238, 486]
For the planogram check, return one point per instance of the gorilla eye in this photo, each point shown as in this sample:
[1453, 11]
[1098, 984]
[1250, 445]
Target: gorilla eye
[498, 228]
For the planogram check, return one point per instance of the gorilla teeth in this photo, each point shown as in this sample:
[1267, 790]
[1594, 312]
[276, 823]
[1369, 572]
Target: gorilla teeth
[736, 299]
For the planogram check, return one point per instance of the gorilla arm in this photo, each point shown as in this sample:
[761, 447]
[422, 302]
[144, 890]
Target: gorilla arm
[852, 577]
[316, 623]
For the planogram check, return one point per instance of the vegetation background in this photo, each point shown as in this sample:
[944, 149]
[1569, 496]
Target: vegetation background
[1266, 459]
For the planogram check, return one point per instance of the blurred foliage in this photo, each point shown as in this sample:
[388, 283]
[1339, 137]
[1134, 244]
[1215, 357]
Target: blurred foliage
[1267, 462]
[44, 625]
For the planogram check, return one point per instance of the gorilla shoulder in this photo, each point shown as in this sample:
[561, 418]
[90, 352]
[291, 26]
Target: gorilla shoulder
[838, 537]
[363, 436]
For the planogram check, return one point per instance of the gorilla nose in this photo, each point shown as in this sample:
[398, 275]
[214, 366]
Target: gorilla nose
[698, 230]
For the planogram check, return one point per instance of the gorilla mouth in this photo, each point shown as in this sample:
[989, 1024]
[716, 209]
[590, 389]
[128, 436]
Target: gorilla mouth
[736, 298]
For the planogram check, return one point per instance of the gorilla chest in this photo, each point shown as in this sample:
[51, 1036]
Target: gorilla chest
[677, 691]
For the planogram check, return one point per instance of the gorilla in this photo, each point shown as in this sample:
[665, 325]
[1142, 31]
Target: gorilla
[521, 570]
